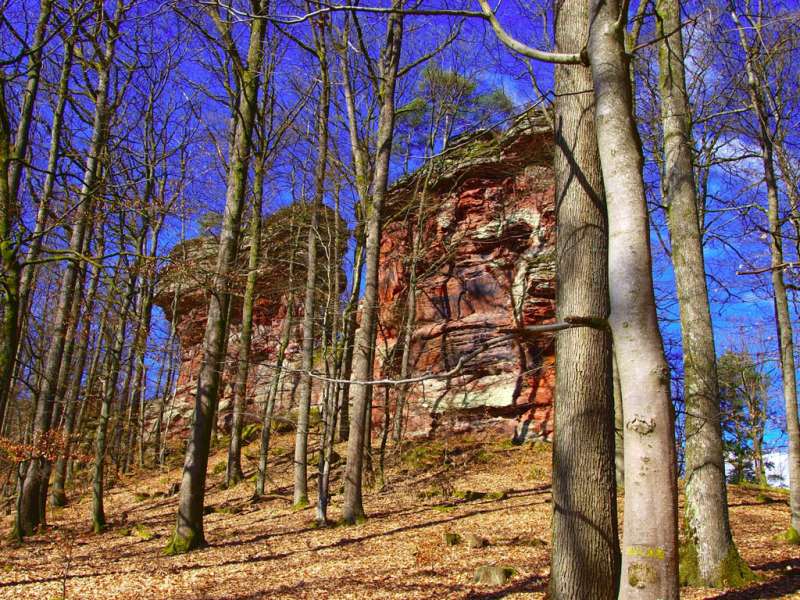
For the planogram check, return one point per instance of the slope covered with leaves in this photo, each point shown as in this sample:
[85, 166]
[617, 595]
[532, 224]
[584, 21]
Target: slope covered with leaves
[481, 491]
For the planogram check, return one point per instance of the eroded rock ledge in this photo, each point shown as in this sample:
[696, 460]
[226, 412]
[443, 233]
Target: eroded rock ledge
[485, 263]
[481, 216]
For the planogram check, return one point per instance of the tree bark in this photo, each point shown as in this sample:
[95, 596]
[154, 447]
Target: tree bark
[189, 527]
[233, 472]
[783, 320]
[59, 497]
[300, 497]
[709, 556]
[585, 540]
[353, 509]
[109, 392]
[650, 542]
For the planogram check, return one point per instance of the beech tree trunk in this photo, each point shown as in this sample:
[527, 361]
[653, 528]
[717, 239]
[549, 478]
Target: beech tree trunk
[59, 497]
[189, 528]
[709, 557]
[353, 509]
[309, 306]
[269, 406]
[110, 379]
[585, 540]
[233, 472]
[29, 507]
[783, 320]
[650, 542]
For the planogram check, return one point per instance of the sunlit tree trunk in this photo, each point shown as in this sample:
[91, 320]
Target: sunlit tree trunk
[353, 509]
[189, 528]
[783, 319]
[709, 556]
[110, 379]
[585, 543]
[233, 472]
[59, 497]
[309, 306]
[650, 538]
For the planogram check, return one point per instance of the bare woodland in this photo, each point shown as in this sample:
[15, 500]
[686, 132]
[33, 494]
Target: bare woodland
[404, 299]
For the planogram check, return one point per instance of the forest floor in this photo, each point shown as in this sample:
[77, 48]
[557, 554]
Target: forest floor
[264, 549]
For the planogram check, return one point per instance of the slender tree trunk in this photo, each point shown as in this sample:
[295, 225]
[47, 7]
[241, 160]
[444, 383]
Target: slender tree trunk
[233, 473]
[309, 307]
[269, 406]
[783, 320]
[349, 320]
[353, 509]
[59, 497]
[12, 159]
[189, 528]
[709, 556]
[650, 542]
[585, 542]
[110, 379]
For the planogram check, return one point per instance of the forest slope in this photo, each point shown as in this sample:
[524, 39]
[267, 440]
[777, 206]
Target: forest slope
[265, 549]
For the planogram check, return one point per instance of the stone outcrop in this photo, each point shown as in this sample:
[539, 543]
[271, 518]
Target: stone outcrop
[484, 214]
[481, 218]
[189, 276]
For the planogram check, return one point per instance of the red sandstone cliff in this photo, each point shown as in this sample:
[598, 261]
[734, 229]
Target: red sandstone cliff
[487, 242]
[486, 264]
[189, 272]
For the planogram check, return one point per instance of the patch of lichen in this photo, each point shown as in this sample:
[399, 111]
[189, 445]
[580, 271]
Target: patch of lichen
[732, 572]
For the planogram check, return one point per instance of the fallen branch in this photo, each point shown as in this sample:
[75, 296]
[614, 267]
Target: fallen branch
[529, 331]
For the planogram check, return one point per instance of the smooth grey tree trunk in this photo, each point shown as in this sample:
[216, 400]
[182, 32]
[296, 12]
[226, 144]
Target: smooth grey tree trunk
[58, 497]
[783, 320]
[269, 406]
[110, 379]
[233, 471]
[650, 540]
[585, 539]
[300, 495]
[709, 556]
[353, 509]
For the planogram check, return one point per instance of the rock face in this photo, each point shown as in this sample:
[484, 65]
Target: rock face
[482, 222]
[476, 226]
[183, 295]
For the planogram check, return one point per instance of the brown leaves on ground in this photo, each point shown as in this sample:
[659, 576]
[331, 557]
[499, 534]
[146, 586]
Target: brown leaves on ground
[264, 549]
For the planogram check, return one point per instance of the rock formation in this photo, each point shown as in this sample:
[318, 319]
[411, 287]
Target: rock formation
[485, 264]
[481, 217]
[189, 275]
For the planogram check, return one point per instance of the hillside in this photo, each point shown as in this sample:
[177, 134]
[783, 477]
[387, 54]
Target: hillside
[265, 550]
